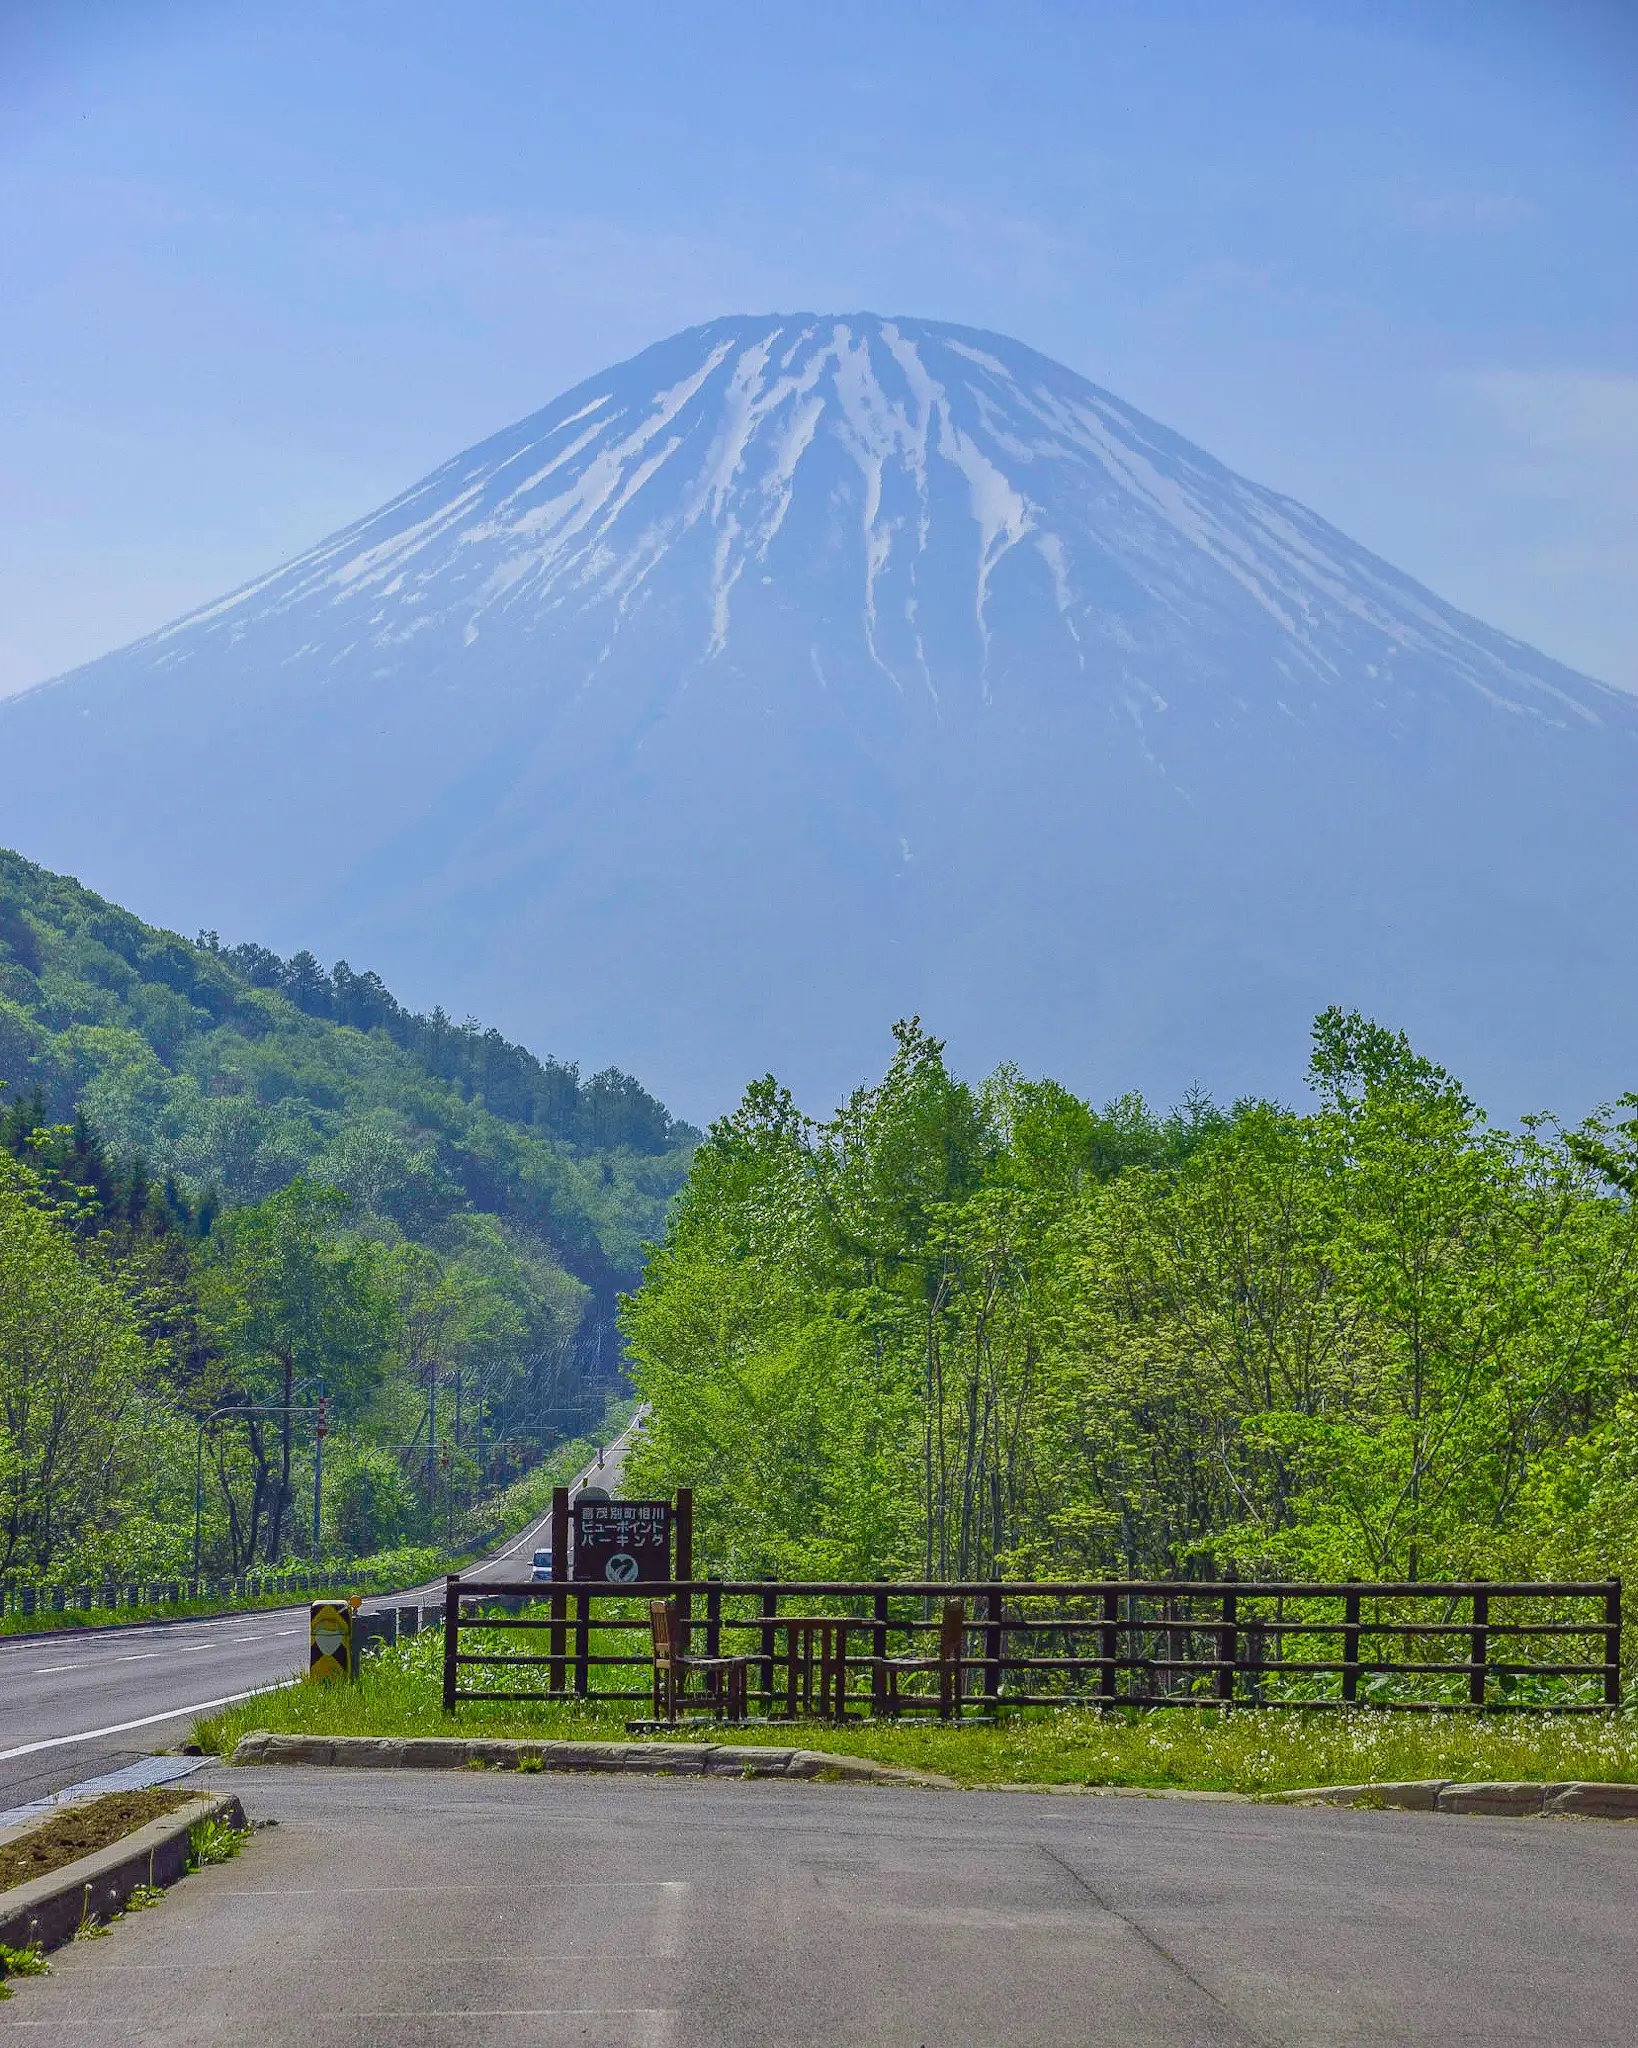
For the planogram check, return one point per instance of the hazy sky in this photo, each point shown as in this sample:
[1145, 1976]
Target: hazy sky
[262, 265]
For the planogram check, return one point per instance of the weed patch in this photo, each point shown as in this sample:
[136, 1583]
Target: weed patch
[20, 1962]
[214, 1841]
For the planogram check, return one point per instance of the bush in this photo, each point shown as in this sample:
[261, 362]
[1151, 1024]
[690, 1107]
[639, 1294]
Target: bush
[368, 1501]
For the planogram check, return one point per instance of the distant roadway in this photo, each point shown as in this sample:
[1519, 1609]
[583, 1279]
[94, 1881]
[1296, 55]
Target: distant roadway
[75, 1703]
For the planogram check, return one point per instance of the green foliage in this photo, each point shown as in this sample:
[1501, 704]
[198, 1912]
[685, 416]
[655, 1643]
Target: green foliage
[961, 1333]
[369, 1501]
[214, 1841]
[232, 1072]
[71, 1368]
[21, 1962]
[265, 1185]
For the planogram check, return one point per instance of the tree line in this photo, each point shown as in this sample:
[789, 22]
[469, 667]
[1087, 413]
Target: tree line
[610, 1111]
[224, 1201]
[149, 1344]
[231, 1072]
[962, 1331]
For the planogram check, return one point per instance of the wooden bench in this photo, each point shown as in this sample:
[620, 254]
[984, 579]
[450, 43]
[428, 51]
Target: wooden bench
[724, 1677]
[887, 1671]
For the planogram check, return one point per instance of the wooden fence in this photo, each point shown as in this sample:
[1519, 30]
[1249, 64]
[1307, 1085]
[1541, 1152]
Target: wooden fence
[1519, 1647]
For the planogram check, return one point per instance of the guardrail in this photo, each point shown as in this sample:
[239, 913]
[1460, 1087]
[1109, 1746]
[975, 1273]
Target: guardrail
[1404, 1647]
[34, 1597]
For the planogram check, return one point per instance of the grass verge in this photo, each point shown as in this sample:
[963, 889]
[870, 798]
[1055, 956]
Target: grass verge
[1248, 1750]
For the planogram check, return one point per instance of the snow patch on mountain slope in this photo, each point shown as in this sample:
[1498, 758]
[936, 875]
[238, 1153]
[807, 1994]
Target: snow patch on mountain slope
[964, 452]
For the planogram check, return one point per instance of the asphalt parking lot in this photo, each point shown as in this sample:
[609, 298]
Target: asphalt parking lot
[412, 1908]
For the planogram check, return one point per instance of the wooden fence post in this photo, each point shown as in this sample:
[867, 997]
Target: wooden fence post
[1612, 1644]
[1228, 1648]
[683, 1518]
[770, 1607]
[992, 1648]
[1350, 1643]
[560, 1575]
[582, 1639]
[452, 1633]
[1479, 1652]
[878, 1650]
[1109, 1645]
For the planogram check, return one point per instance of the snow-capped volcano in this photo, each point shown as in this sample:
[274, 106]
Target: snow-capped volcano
[801, 672]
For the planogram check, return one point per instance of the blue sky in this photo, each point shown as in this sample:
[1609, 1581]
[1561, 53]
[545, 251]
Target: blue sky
[262, 265]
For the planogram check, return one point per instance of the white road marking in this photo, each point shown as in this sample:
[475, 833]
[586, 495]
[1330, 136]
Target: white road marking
[145, 1721]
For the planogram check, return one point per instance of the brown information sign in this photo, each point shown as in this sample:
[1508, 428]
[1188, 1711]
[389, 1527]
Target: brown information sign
[622, 1542]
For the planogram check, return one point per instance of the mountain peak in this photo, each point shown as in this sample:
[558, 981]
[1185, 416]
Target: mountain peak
[808, 669]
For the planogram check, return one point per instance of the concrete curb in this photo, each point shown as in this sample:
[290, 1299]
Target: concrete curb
[51, 1909]
[1497, 1796]
[1079, 1791]
[671, 1759]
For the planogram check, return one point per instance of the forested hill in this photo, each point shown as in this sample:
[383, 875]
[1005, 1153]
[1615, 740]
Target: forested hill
[231, 1070]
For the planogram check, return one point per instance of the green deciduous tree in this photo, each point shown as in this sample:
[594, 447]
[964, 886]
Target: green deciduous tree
[293, 1306]
[952, 1332]
[72, 1358]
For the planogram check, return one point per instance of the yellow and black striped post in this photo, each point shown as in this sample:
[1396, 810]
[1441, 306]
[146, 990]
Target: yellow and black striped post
[332, 1636]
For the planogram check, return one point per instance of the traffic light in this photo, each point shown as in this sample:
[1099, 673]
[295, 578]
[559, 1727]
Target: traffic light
[323, 1417]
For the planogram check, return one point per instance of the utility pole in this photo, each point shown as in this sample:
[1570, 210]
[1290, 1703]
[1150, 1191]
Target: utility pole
[432, 1441]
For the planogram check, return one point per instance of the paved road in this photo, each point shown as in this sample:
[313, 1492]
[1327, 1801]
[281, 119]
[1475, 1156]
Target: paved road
[512, 1561]
[410, 1909]
[74, 1704]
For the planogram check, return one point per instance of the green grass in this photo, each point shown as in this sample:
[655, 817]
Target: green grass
[1248, 1750]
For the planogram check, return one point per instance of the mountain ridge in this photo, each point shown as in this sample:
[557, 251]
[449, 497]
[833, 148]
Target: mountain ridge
[803, 671]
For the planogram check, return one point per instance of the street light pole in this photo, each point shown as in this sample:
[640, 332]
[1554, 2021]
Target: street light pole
[213, 1415]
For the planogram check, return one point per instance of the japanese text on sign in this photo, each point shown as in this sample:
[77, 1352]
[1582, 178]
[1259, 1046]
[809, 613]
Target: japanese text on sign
[623, 1542]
